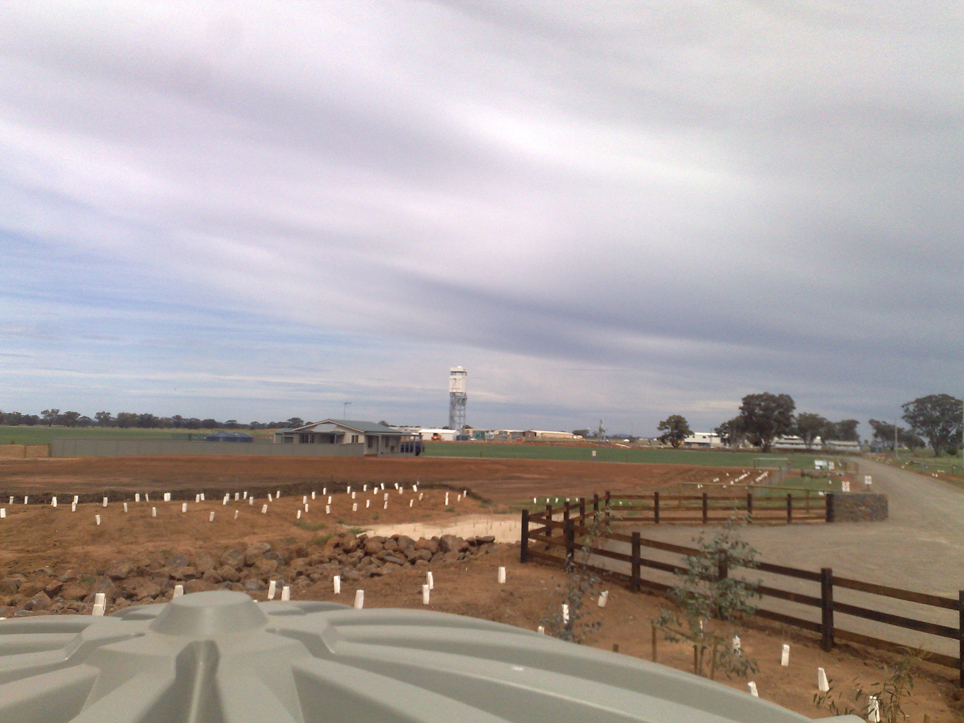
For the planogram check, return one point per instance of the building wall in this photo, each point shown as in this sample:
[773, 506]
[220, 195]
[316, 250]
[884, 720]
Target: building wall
[64, 447]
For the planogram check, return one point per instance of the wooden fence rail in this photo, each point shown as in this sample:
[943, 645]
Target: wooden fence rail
[570, 533]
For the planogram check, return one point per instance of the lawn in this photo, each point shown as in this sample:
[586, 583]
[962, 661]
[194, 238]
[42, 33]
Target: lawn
[701, 458]
[43, 435]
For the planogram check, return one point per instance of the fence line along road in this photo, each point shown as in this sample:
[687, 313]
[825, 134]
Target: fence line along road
[806, 599]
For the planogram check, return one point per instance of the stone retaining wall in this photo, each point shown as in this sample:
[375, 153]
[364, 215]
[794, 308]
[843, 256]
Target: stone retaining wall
[856, 507]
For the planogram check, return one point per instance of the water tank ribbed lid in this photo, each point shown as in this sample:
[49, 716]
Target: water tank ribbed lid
[220, 657]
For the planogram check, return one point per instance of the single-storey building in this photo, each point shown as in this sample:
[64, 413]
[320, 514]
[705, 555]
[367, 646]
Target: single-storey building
[547, 435]
[373, 438]
[706, 440]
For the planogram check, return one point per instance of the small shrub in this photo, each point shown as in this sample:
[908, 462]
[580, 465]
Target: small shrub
[710, 602]
[891, 693]
[310, 526]
[581, 583]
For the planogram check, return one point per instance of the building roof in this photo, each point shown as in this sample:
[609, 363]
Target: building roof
[354, 425]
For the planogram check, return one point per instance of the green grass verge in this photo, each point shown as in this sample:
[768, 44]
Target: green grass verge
[707, 458]
[43, 435]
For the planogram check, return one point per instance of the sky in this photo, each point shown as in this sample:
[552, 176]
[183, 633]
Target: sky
[616, 211]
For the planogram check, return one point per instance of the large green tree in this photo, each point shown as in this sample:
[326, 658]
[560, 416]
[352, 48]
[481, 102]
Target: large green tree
[674, 430]
[845, 430]
[810, 426]
[937, 418]
[767, 416]
[732, 432]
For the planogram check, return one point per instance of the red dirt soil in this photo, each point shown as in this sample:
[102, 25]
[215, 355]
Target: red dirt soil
[39, 536]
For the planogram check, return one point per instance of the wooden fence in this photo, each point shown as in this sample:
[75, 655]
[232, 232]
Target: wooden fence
[570, 534]
[705, 508]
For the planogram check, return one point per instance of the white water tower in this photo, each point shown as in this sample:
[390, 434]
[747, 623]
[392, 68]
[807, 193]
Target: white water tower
[457, 396]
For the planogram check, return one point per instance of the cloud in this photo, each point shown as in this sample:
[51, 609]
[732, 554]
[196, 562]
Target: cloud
[694, 202]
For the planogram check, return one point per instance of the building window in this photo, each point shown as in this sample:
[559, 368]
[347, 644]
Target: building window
[354, 439]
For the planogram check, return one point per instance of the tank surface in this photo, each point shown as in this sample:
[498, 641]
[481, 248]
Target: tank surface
[220, 657]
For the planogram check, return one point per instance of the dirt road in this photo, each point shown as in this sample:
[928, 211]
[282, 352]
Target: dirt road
[920, 548]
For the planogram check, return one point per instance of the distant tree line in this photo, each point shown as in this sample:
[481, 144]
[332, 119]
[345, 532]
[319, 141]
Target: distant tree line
[127, 420]
[764, 417]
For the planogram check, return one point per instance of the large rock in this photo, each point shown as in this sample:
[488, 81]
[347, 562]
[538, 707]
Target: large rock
[177, 560]
[31, 588]
[255, 552]
[228, 573]
[11, 584]
[121, 570]
[147, 590]
[234, 558]
[373, 546]
[451, 543]
[265, 566]
[40, 601]
[405, 543]
[74, 591]
[426, 544]
[204, 563]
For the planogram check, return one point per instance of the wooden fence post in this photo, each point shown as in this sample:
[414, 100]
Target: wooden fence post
[960, 634]
[830, 510]
[595, 504]
[749, 507]
[656, 507]
[635, 562]
[524, 542]
[706, 509]
[570, 541]
[548, 520]
[607, 499]
[582, 511]
[565, 511]
[826, 609]
[789, 509]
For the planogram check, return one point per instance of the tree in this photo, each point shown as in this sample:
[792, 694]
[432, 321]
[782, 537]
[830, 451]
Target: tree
[845, 430]
[69, 419]
[295, 422]
[675, 429]
[937, 417]
[732, 432]
[767, 416]
[884, 435]
[126, 419]
[50, 416]
[104, 419]
[584, 433]
[810, 426]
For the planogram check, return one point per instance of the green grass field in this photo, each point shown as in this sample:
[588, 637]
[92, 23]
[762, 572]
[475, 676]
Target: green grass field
[43, 435]
[708, 458]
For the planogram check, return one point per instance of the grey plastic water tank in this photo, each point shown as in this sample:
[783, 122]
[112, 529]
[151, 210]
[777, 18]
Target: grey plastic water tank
[219, 657]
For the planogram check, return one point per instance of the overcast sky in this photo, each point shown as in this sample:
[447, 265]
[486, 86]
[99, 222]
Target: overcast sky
[616, 210]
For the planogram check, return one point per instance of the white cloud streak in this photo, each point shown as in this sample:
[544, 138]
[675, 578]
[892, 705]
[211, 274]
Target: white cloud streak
[693, 201]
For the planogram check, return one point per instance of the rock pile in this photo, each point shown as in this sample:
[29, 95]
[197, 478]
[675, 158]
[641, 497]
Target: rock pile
[151, 578]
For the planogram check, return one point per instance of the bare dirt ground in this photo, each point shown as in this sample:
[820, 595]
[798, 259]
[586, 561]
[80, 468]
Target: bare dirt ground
[502, 481]
[38, 536]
